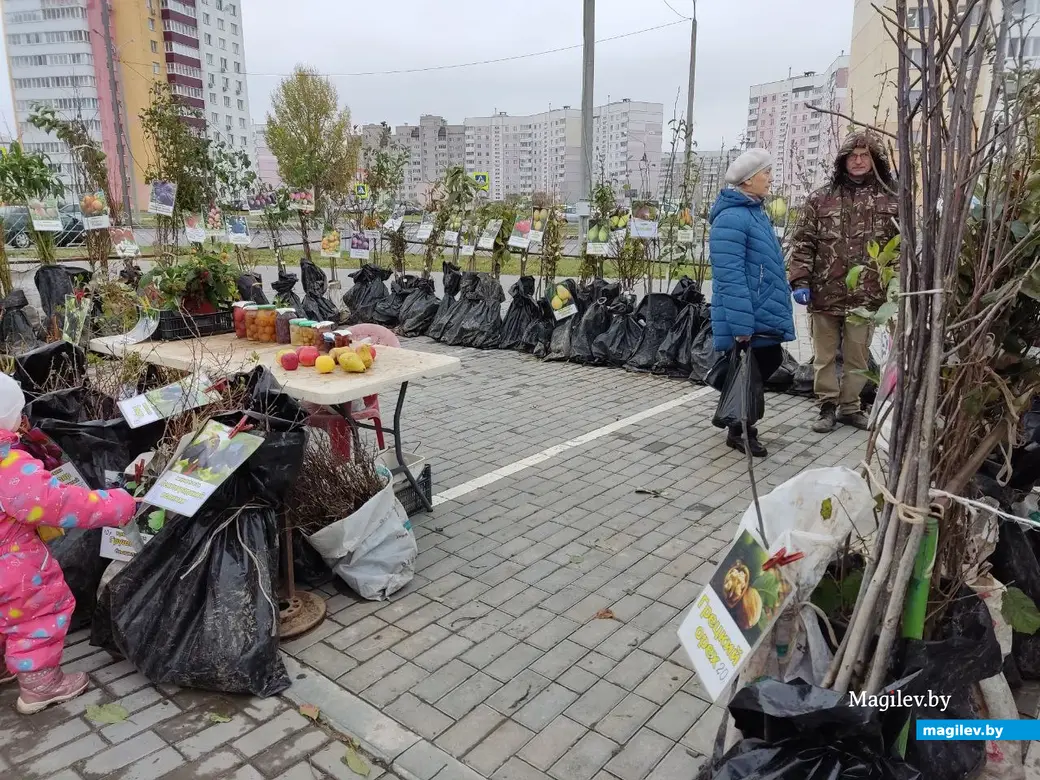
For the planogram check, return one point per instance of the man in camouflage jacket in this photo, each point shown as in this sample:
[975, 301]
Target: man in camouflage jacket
[838, 220]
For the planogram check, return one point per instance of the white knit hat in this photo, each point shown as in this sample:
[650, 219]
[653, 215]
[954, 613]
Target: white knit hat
[12, 402]
[747, 165]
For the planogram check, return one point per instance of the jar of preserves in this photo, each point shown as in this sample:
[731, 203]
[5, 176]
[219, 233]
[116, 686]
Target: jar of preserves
[343, 338]
[239, 313]
[282, 326]
[251, 330]
[326, 343]
[305, 334]
[321, 328]
[265, 323]
[294, 331]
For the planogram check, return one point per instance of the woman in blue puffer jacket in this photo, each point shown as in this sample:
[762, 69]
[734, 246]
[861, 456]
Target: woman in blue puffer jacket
[751, 299]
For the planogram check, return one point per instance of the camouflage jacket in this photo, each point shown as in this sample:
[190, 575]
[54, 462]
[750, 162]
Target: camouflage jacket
[832, 236]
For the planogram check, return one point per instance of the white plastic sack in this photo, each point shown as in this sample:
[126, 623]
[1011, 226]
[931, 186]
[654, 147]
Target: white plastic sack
[793, 516]
[372, 550]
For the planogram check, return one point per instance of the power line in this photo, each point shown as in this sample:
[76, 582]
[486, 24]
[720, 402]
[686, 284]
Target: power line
[672, 9]
[403, 71]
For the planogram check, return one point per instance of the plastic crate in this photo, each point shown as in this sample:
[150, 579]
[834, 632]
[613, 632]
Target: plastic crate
[406, 493]
[175, 326]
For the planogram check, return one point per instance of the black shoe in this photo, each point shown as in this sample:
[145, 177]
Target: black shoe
[855, 420]
[735, 440]
[826, 421]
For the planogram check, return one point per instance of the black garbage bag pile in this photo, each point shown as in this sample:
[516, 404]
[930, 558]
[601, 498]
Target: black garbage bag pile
[963, 651]
[796, 731]
[522, 312]
[804, 380]
[782, 380]
[285, 292]
[619, 342]
[251, 288]
[419, 309]
[452, 283]
[54, 282]
[387, 311]
[316, 304]
[1017, 560]
[466, 300]
[369, 288]
[678, 353]
[538, 336]
[38, 369]
[564, 330]
[77, 551]
[197, 607]
[658, 311]
[804, 376]
[478, 320]
[16, 332]
[595, 322]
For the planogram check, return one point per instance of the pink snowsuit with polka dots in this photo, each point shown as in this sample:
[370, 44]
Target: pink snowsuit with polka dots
[35, 603]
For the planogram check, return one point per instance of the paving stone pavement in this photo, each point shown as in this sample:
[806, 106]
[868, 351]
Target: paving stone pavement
[491, 663]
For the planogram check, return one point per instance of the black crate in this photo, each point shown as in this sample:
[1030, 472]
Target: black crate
[406, 493]
[175, 325]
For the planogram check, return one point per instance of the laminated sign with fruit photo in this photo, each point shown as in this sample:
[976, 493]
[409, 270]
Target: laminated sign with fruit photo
[520, 237]
[736, 609]
[562, 302]
[487, 238]
[162, 197]
[645, 214]
[538, 219]
[330, 244]
[94, 207]
[598, 238]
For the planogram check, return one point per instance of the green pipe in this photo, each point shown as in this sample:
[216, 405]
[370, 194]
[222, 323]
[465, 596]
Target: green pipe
[915, 608]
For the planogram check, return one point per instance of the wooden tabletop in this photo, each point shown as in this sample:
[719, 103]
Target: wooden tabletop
[228, 354]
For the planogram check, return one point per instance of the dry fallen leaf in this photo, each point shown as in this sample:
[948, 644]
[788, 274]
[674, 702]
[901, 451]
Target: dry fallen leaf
[605, 614]
[309, 711]
[216, 717]
[107, 713]
[355, 762]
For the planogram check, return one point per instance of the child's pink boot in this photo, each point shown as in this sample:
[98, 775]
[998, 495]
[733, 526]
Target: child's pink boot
[40, 690]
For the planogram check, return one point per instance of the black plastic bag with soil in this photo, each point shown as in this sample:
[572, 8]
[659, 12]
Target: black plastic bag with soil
[804, 378]
[743, 394]
[538, 336]
[963, 651]
[783, 378]
[419, 309]
[686, 292]
[37, 370]
[481, 327]
[54, 282]
[675, 357]
[796, 731]
[658, 311]
[704, 358]
[198, 606]
[595, 322]
[251, 288]
[16, 332]
[285, 292]
[564, 330]
[369, 288]
[387, 311]
[1025, 459]
[1017, 560]
[467, 300]
[316, 305]
[77, 551]
[99, 449]
[452, 283]
[523, 310]
[619, 342]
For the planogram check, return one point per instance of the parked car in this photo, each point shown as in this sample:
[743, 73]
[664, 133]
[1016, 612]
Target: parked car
[16, 226]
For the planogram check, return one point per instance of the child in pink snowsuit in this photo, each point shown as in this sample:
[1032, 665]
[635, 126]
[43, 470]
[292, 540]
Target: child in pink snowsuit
[35, 603]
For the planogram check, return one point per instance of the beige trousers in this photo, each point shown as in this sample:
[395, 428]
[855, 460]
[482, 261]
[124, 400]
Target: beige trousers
[831, 335]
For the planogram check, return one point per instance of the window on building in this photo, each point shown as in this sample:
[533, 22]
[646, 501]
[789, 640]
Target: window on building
[205, 18]
[227, 119]
[226, 83]
[227, 101]
[238, 87]
[233, 10]
[151, 24]
[209, 39]
[241, 120]
[220, 23]
[155, 67]
[209, 59]
[223, 64]
[234, 48]
[234, 29]
[212, 97]
[241, 105]
[238, 67]
[222, 43]
[214, 117]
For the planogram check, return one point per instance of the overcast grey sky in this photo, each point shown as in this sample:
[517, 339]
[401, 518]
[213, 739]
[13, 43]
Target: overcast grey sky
[741, 42]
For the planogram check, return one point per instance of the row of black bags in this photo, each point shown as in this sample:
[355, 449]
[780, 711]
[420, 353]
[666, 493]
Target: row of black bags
[797, 731]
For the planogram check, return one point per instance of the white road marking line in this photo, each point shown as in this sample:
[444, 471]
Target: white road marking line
[457, 492]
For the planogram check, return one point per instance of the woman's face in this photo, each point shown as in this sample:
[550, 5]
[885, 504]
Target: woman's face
[758, 185]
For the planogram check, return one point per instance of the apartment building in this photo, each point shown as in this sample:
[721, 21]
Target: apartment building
[226, 91]
[433, 146]
[264, 162]
[803, 142]
[627, 138]
[708, 171]
[57, 52]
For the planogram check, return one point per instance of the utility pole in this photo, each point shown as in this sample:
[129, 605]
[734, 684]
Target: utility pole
[693, 76]
[588, 52]
[106, 22]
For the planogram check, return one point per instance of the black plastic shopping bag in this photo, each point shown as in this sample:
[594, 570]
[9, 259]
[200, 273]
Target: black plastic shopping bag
[743, 396]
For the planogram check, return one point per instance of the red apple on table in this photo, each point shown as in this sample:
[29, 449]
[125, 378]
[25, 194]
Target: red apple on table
[289, 361]
[308, 355]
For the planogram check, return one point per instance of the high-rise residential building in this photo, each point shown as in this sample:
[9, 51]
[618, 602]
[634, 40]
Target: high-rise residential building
[803, 142]
[226, 93]
[58, 56]
[433, 146]
[264, 163]
[627, 137]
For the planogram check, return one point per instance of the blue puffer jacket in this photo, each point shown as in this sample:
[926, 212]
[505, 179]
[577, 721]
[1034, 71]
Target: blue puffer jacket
[750, 293]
